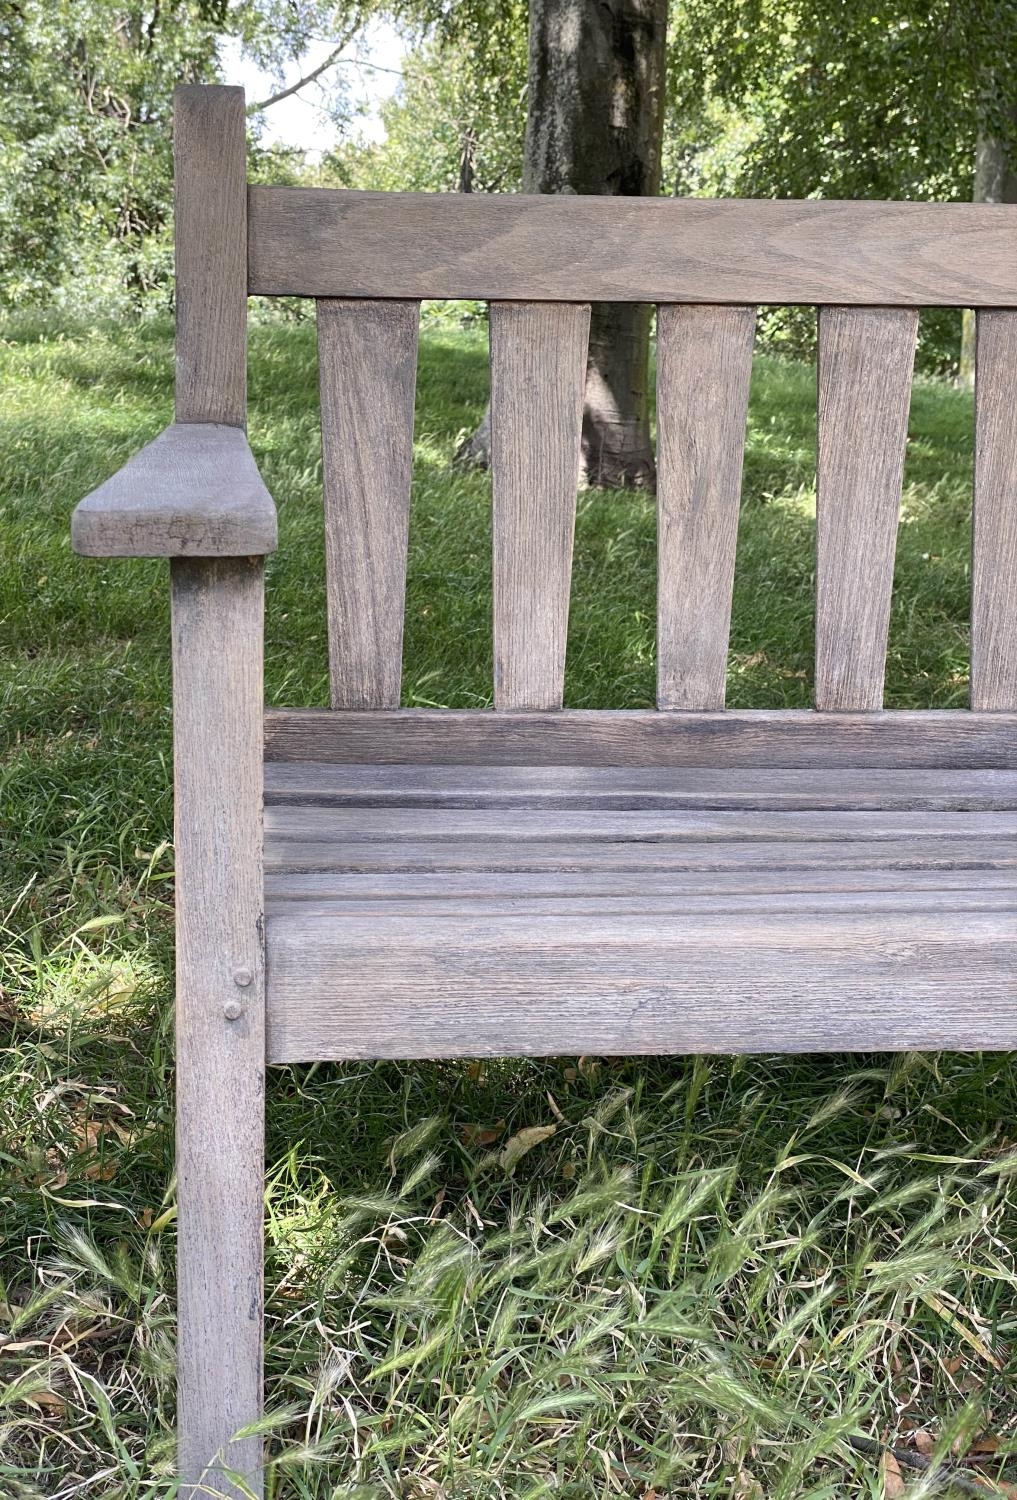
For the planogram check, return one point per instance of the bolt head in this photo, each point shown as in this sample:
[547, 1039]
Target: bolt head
[232, 1010]
[242, 977]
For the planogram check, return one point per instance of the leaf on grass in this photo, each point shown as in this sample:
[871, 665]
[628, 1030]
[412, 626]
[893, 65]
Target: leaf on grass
[893, 1480]
[481, 1135]
[517, 1146]
[925, 1441]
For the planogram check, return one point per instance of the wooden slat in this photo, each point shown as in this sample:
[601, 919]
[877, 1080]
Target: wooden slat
[367, 360]
[994, 561]
[538, 377]
[318, 242]
[507, 887]
[602, 858]
[541, 826]
[639, 789]
[670, 907]
[704, 364]
[504, 984]
[866, 357]
[210, 233]
[787, 738]
[220, 1039]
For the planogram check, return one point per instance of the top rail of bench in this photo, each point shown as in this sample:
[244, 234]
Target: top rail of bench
[324, 242]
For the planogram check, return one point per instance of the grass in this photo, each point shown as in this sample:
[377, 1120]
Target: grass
[706, 1278]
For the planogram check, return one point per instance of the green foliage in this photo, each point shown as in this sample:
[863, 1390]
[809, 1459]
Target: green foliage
[85, 133]
[455, 123]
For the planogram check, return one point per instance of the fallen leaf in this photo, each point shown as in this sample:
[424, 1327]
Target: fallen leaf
[924, 1441]
[517, 1146]
[893, 1480]
[481, 1135]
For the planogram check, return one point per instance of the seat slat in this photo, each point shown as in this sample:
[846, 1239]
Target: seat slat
[538, 377]
[994, 542]
[866, 358]
[704, 365]
[323, 785]
[350, 825]
[367, 357]
[373, 985]
[420, 888]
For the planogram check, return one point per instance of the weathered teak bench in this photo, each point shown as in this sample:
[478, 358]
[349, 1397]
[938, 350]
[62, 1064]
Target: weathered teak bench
[533, 880]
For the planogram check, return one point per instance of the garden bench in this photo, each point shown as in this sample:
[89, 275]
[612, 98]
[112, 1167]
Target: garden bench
[533, 880]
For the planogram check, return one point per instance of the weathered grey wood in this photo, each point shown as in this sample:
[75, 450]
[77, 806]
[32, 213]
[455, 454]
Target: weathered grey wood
[866, 357]
[503, 984]
[217, 740]
[945, 738]
[318, 784]
[193, 492]
[347, 825]
[704, 365]
[670, 907]
[367, 361]
[317, 242]
[417, 889]
[601, 856]
[994, 560]
[210, 232]
[538, 375]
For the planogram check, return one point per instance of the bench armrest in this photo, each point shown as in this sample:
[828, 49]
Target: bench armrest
[193, 492]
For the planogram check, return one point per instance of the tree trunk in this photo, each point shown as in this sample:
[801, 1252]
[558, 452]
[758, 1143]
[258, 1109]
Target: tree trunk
[594, 125]
[995, 182]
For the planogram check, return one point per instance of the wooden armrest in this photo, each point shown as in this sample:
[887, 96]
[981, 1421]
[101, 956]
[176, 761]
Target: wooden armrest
[193, 492]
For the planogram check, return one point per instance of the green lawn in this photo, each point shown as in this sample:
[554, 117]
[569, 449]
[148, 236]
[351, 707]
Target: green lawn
[704, 1280]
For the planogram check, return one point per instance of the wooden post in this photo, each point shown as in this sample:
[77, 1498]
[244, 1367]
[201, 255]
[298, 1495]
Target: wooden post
[218, 606]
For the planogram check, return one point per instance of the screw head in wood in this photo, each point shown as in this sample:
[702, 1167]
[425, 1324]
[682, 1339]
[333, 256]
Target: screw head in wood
[243, 977]
[233, 1010]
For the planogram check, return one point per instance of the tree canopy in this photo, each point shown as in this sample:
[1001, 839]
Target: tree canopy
[869, 98]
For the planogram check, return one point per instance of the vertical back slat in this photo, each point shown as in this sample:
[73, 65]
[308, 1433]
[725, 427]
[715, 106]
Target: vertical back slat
[994, 540]
[210, 231]
[367, 362]
[866, 358]
[704, 366]
[538, 376]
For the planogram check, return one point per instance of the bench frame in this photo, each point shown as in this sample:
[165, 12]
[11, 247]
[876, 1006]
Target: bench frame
[195, 497]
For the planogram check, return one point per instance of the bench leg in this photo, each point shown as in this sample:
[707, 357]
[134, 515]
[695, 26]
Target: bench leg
[220, 1032]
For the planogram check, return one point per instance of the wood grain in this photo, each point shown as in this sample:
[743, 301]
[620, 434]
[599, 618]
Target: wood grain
[704, 365]
[367, 361]
[217, 746]
[193, 492]
[621, 789]
[538, 378]
[418, 889]
[506, 984]
[210, 233]
[866, 357]
[788, 738]
[994, 543]
[319, 242]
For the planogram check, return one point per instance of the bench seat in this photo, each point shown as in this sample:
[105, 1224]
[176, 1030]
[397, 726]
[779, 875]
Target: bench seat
[441, 910]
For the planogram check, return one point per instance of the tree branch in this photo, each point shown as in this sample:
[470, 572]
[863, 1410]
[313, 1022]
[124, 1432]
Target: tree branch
[294, 88]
